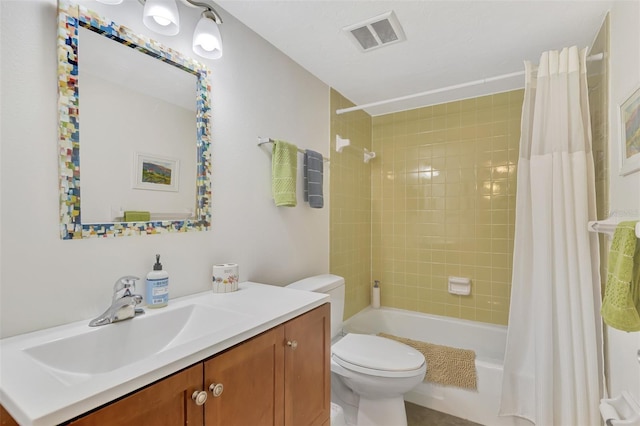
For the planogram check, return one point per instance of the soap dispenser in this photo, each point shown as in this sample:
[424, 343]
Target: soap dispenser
[157, 294]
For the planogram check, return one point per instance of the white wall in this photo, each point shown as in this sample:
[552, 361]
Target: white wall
[624, 369]
[257, 90]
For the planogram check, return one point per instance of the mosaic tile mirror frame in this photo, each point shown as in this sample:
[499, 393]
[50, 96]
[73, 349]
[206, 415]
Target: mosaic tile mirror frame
[70, 18]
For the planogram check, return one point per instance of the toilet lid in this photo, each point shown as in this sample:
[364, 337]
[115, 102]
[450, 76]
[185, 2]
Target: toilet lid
[376, 353]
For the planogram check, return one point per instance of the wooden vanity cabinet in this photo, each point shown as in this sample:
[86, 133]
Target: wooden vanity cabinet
[307, 368]
[280, 377]
[6, 419]
[252, 376]
[167, 402]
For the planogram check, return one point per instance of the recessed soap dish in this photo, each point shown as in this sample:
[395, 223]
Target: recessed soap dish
[460, 286]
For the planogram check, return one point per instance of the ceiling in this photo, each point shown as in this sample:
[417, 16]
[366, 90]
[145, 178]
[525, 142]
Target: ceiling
[448, 43]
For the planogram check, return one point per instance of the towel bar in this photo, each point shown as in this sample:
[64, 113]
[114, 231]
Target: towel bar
[342, 143]
[608, 226]
[263, 141]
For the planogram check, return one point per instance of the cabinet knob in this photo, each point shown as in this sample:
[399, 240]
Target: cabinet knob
[292, 344]
[200, 397]
[216, 389]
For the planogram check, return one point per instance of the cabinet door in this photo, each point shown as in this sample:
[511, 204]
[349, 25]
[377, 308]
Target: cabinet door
[252, 379]
[167, 402]
[307, 368]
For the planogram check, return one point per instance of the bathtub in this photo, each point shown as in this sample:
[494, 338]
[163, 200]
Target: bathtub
[487, 340]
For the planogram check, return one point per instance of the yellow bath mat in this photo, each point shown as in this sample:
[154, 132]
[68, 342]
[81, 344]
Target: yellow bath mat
[445, 365]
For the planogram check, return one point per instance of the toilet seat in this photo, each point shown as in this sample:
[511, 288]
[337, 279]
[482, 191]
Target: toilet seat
[377, 356]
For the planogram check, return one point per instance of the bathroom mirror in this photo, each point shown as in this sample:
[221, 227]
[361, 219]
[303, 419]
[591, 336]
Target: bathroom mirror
[143, 149]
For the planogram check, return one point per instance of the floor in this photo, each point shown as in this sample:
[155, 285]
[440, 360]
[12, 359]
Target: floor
[421, 416]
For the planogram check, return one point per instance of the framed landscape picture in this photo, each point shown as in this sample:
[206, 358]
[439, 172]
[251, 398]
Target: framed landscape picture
[630, 133]
[155, 172]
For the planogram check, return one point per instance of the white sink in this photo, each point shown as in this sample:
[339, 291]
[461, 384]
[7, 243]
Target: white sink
[112, 346]
[53, 375]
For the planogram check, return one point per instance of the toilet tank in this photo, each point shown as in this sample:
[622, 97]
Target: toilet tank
[330, 284]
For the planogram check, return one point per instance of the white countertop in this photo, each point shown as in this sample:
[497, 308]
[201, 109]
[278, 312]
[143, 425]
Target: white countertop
[35, 396]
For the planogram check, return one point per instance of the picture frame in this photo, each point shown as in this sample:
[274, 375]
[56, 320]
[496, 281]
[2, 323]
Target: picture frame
[630, 134]
[155, 172]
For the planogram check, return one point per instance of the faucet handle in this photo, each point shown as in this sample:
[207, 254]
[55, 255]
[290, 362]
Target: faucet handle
[125, 283]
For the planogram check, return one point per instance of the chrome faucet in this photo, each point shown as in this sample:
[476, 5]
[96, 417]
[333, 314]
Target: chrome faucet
[123, 305]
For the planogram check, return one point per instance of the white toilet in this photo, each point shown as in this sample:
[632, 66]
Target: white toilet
[369, 374]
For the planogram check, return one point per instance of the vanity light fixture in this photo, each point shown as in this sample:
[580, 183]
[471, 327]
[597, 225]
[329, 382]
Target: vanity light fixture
[207, 41]
[161, 16]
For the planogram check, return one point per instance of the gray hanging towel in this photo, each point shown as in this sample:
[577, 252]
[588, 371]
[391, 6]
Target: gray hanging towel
[313, 179]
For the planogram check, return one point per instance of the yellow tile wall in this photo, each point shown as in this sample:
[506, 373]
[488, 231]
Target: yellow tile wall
[443, 203]
[597, 80]
[350, 201]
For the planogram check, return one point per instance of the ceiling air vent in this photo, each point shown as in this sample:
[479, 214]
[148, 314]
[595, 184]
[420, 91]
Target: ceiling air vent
[379, 31]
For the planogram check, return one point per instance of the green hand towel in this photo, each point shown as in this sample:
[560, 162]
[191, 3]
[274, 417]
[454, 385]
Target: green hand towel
[134, 216]
[621, 302]
[284, 166]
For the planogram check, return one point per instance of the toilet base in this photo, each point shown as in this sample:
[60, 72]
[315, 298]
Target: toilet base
[382, 412]
[378, 407]
[337, 415]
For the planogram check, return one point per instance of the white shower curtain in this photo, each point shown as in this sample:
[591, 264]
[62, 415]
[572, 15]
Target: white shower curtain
[553, 363]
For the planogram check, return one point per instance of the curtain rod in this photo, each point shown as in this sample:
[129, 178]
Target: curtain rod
[596, 57]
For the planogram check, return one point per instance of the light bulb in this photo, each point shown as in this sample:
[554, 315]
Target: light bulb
[161, 21]
[208, 42]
